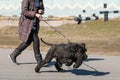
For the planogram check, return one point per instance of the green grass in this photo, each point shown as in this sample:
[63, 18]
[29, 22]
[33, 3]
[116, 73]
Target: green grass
[100, 37]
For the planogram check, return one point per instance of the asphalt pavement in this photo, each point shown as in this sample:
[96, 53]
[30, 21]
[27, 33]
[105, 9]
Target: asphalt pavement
[108, 68]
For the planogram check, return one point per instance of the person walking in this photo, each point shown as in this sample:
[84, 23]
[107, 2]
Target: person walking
[32, 11]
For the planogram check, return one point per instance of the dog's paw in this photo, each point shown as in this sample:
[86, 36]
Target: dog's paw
[75, 66]
[37, 70]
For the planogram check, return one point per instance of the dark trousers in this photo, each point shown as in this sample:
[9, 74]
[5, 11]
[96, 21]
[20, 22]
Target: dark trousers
[33, 37]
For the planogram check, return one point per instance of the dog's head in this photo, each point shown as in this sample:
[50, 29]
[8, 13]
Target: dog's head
[78, 49]
[80, 54]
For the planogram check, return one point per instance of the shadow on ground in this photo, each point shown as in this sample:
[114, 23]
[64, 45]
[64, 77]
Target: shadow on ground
[93, 59]
[87, 72]
[82, 71]
[24, 63]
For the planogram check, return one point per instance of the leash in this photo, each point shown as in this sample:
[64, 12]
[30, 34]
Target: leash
[90, 67]
[57, 31]
[87, 66]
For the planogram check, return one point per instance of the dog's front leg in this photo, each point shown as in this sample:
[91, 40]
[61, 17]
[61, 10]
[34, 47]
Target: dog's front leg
[68, 62]
[77, 64]
[57, 65]
[78, 61]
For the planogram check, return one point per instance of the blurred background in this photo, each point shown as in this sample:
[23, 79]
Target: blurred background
[61, 8]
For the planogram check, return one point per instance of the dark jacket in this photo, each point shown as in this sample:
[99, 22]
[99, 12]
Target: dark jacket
[27, 17]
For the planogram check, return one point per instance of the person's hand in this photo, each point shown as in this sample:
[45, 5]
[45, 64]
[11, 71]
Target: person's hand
[39, 16]
[40, 11]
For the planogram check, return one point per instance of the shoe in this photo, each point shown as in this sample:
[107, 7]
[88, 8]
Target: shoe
[14, 55]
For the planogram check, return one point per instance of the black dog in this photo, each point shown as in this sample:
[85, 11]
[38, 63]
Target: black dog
[64, 54]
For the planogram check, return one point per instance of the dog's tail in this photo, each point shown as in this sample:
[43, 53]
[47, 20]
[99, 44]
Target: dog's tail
[46, 42]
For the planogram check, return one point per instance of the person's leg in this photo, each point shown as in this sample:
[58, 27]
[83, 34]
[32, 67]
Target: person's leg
[24, 45]
[36, 47]
[20, 48]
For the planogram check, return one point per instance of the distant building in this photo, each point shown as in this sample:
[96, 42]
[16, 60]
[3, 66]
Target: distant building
[62, 8]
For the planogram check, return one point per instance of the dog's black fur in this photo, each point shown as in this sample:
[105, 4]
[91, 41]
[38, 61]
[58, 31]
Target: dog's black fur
[64, 54]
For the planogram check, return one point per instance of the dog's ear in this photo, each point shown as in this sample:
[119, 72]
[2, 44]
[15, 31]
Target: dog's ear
[83, 47]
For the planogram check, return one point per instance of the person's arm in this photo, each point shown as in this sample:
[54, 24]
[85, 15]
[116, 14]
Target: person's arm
[25, 11]
[42, 5]
[41, 8]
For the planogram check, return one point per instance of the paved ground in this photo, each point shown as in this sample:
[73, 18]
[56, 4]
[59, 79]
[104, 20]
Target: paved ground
[108, 68]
